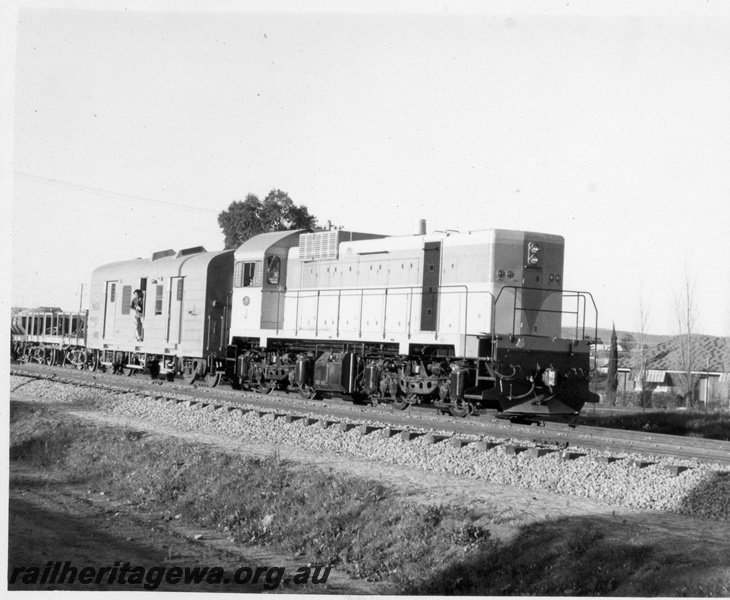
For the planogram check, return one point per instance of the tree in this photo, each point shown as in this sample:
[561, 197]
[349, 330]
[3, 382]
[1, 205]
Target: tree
[685, 310]
[726, 358]
[245, 219]
[640, 352]
[612, 383]
[627, 341]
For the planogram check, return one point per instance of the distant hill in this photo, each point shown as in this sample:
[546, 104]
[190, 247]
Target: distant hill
[605, 335]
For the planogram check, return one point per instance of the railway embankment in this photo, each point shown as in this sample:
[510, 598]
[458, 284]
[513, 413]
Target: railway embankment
[405, 516]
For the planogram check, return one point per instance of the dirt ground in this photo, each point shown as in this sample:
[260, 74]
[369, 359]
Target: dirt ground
[52, 520]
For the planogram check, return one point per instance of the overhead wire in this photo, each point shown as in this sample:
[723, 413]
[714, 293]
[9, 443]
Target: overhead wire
[103, 213]
[104, 192]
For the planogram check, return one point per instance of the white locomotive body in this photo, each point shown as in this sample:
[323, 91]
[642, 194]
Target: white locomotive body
[315, 310]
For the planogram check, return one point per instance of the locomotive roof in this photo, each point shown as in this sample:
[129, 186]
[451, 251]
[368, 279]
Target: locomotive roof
[457, 237]
[259, 244]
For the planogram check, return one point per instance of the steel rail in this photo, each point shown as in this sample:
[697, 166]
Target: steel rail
[554, 435]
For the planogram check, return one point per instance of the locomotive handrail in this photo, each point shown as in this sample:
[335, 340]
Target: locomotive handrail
[580, 296]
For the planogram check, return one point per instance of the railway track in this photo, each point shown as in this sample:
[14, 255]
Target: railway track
[555, 436]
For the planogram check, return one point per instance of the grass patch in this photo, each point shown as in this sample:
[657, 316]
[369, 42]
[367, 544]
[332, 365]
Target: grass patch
[355, 525]
[566, 557]
[715, 426]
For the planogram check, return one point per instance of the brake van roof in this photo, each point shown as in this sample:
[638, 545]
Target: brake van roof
[166, 266]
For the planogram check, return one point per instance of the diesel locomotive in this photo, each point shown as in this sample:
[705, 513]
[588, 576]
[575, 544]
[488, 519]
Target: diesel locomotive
[461, 320]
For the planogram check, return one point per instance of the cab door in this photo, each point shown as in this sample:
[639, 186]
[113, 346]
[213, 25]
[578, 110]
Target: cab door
[273, 292]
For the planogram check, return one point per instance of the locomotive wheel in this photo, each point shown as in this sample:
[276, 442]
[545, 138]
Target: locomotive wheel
[190, 378]
[241, 383]
[361, 398]
[307, 392]
[81, 360]
[264, 387]
[461, 409]
[213, 379]
[401, 403]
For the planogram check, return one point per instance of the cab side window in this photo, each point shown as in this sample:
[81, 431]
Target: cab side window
[248, 274]
[273, 269]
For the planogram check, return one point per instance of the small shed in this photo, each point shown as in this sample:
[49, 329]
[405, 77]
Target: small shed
[706, 357]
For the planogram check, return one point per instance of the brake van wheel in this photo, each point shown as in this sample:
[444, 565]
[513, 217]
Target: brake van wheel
[94, 361]
[213, 379]
[154, 368]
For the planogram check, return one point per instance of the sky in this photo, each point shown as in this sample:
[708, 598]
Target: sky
[133, 127]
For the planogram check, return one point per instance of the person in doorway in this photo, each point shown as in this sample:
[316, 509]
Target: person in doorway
[137, 307]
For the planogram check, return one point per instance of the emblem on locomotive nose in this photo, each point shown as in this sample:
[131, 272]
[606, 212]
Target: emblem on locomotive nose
[246, 300]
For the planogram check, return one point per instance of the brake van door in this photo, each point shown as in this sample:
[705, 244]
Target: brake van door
[110, 310]
[174, 313]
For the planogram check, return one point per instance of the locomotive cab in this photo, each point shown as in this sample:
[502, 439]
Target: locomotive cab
[259, 285]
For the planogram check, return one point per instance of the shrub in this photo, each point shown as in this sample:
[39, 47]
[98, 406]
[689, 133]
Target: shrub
[664, 400]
